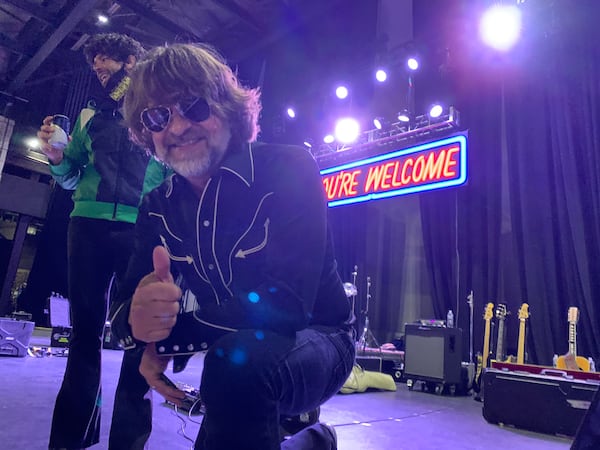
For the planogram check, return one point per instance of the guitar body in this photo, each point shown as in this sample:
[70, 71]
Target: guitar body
[573, 362]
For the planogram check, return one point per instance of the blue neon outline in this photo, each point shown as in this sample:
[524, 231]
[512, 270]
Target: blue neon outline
[460, 139]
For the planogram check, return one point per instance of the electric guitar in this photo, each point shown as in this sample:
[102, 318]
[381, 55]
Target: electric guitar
[523, 316]
[571, 361]
[501, 314]
[482, 360]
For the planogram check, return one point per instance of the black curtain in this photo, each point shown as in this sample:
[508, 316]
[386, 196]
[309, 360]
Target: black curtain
[528, 220]
[554, 137]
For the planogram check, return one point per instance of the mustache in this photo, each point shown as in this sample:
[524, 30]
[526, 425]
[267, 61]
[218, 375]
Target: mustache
[189, 135]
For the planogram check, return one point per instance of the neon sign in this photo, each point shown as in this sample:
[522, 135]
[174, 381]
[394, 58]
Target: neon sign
[434, 165]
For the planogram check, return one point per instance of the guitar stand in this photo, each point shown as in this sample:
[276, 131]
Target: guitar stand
[367, 339]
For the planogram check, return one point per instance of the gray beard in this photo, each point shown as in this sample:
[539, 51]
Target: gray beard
[192, 168]
[198, 167]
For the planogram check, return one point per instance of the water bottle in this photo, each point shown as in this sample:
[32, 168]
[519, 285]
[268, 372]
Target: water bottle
[450, 319]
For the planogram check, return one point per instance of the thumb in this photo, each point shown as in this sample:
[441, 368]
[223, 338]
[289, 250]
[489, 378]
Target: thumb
[162, 264]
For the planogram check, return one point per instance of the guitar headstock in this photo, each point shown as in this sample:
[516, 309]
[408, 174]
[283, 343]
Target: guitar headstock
[470, 299]
[573, 315]
[501, 311]
[489, 311]
[524, 312]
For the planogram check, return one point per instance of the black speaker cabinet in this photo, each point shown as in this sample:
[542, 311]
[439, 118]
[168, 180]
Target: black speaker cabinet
[433, 353]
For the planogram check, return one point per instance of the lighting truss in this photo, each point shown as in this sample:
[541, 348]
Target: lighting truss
[371, 141]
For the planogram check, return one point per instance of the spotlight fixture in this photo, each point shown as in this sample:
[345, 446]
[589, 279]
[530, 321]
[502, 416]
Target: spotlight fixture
[328, 138]
[381, 75]
[291, 113]
[341, 92]
[500, 26]
[308, 143]
[404, 116]
[381, 123]
[435, 111]
[347, 130]
[412, 63]
[102, 19]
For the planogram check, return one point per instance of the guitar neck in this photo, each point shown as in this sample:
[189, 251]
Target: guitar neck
[573, 338]
[521, 348]
[500, 343]
[486, 343]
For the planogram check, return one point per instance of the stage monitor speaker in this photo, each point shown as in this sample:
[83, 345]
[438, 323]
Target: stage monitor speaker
[433, 353]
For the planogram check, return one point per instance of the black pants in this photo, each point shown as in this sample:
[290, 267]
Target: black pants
[96, 250]
[251, 377]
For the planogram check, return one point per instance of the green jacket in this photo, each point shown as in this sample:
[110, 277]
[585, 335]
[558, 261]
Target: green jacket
[109, 174]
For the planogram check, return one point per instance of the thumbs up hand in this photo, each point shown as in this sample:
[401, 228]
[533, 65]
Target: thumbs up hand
[155, 303]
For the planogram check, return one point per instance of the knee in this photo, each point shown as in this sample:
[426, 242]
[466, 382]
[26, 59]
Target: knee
[239, 362]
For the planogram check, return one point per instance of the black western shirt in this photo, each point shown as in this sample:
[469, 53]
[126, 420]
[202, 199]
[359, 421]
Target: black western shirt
[254, 249]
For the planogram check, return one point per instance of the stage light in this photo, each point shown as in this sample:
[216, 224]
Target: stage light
[308, 143]
[412, 64]
[102, 19]
[381, 75]
[328, 139]
[500, 26]
[32, 142]
[435, 111]
[404, 116]
[291, 113]
[347, 130]
[341, 92]
[381, 123]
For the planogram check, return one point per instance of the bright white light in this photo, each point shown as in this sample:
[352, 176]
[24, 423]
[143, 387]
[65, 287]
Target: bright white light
[347, 130]
[403, 116]
[328, 139]
[341, 92]
[307, 144]
[377, 123]
[291, 113]
[381, 75]
[412, 64]
[102, 19]
[32, 142]
[500, 26]
[436, 111]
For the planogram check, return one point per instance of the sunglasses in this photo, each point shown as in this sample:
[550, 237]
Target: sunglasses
[157, 118]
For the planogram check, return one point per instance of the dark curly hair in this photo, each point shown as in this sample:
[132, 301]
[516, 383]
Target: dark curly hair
[114, 45]
[169, 73]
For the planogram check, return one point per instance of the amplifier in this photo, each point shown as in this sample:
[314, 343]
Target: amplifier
[433, 353]
[14, 336]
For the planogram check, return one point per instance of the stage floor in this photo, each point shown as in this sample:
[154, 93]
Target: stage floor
[372, 420]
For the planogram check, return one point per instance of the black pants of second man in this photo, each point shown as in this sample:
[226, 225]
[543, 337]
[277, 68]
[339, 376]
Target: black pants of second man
[96, 250]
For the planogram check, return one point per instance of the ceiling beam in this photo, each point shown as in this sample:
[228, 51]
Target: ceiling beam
[80, 10]
[162, 21]
[32, 9]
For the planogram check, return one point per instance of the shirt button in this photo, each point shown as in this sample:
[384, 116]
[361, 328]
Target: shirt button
[211, 266]
[206, 223]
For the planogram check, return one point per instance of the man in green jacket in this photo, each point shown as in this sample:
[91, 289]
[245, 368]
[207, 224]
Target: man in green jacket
[109, 175]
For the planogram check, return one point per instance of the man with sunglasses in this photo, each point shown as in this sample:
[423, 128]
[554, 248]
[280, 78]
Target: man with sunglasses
[244, 225]
[109, 176]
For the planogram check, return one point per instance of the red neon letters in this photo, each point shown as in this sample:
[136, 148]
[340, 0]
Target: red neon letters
[415, 169]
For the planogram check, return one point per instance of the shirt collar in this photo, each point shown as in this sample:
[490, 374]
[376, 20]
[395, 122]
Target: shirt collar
[239, 161]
